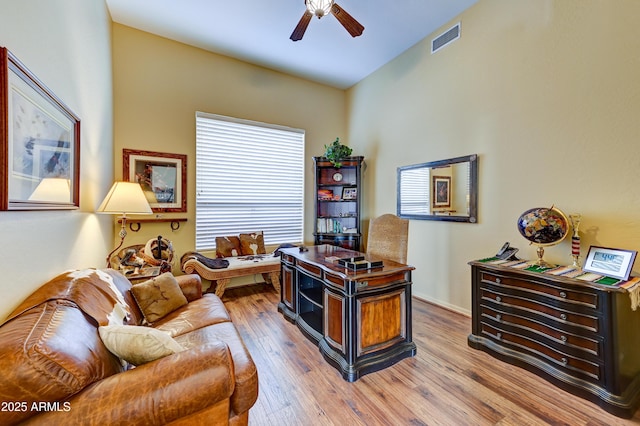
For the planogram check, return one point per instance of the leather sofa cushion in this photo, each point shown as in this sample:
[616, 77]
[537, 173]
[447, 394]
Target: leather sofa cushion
[202, 312]
[101, 294]
[49, 353]
[246, 374]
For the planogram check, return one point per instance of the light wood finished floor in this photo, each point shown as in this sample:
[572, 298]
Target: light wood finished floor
[446, 383]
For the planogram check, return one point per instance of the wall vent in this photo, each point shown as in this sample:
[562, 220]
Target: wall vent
[445, 38]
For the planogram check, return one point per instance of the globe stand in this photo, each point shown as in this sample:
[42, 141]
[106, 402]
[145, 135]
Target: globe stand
[540, 262]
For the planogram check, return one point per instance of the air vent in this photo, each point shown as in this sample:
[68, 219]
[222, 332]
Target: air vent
[445, 38]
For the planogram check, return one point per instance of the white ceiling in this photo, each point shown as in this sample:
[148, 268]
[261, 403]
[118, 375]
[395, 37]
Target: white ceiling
[258, 31]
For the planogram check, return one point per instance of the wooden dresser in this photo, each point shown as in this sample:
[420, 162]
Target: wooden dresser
[581, 336]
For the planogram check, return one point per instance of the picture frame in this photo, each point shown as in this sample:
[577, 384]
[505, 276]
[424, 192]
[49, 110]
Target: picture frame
[349, 193]
[39, 141]
[615, 263]
[325, 194]
[163, 177]
[441, 191]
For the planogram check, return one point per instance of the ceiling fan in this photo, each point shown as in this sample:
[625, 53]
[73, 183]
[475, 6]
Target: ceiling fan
[321, 8]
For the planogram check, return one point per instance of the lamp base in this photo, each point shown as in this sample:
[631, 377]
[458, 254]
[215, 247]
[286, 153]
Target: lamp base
[122, 235]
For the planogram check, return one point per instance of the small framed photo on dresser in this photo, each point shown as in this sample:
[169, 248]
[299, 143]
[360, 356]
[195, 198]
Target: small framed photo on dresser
[615, 263]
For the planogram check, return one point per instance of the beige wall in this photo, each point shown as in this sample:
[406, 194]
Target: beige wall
[547, 93]
[159, 85]
[67, 45]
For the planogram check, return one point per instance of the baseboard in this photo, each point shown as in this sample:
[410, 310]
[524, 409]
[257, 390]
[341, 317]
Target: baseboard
[444, 305]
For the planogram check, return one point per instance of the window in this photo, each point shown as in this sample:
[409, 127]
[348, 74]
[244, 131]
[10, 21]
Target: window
[249, 177]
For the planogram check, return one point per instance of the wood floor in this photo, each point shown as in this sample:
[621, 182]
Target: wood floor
[446, 383]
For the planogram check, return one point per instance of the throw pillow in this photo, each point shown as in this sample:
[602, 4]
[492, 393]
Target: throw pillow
[227, 246]
[251, 244]
[158, 296]
[136, 344]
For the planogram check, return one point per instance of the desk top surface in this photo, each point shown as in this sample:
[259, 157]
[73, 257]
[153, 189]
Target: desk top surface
[326, 256]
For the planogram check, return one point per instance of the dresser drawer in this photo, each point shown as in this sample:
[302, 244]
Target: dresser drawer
[573, 365]
[583, 297]
[554, 336]
[555, 313]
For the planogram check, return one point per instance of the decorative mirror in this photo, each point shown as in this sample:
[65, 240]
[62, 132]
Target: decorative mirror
[444, 190]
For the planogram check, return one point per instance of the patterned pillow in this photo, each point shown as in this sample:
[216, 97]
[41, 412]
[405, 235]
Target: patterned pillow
[158, 296]
[138, 345]
[251, 244]
[227, 246]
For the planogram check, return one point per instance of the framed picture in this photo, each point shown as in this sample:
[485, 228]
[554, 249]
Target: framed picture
[441, 191]
[163, 178]
[325, 194]
[40, 143]
[614, 263]
[349, 193]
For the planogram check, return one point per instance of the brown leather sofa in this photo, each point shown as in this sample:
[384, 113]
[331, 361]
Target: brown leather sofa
[55, 368]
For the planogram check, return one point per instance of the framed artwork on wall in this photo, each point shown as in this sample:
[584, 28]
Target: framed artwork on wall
[40, 143]
[441, 191]
[163, 178]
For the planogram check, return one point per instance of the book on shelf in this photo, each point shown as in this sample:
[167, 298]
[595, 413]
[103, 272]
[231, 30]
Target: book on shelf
[328, 225]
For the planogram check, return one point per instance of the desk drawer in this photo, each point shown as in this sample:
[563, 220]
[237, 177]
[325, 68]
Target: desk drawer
[309, 269]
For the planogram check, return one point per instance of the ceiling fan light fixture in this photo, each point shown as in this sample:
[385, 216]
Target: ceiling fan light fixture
[319, 8]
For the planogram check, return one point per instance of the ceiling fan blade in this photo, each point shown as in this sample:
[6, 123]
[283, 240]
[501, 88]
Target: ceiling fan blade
[354, 27]
[298, 32]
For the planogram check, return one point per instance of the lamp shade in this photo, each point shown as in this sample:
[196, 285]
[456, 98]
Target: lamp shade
[56, 190]
[125, 198]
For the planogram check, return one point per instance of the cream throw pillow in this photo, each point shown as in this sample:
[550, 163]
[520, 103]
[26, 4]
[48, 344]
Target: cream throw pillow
[158, 296]
[137, 344]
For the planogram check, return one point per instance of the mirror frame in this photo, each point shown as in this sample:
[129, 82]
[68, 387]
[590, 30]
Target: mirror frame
[473, 190]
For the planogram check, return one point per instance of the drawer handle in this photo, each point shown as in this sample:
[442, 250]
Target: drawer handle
[563, 338]
[564, 361]
[563, 294]
[498, 280]
[498, 299]
[498, 317]
[499, 336]
[563, 316]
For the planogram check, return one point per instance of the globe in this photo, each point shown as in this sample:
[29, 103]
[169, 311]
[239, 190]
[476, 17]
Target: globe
[543, 227]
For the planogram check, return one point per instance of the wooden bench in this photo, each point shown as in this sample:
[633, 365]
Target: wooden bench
[241, 266]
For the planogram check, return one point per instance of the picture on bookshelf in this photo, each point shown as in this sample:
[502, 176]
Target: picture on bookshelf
[325, 194]
[349, 193]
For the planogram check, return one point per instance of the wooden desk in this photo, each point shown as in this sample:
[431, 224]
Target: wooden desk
[360, 320]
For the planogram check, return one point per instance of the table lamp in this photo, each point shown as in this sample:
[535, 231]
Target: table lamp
[124, 198]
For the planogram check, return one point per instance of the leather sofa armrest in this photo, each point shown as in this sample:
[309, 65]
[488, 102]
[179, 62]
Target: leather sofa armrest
[191, 286]
[158, 392]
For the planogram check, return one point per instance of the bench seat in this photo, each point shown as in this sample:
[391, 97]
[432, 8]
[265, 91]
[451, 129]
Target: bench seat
[239, 266]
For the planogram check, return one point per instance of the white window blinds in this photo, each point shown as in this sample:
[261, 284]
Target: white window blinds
[414, 190]
[249, 177]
